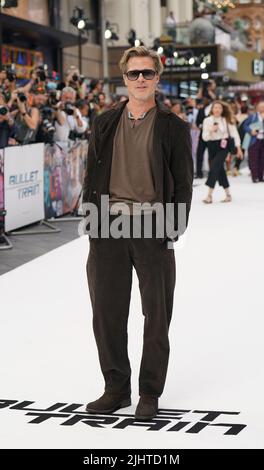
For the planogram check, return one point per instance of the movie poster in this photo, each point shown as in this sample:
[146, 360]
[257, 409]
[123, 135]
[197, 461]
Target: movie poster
[63, 178]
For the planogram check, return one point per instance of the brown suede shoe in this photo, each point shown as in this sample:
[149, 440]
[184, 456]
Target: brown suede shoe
[109, 402]
[147, 407]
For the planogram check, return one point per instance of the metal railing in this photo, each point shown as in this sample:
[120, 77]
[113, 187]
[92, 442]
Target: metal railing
[179, 35]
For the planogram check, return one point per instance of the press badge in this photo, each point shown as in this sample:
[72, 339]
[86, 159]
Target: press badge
[223, 143]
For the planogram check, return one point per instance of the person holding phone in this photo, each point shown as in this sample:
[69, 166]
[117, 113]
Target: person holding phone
[256, 145]
[217, 128]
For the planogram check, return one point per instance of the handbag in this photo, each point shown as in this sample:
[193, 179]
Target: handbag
[231, 146]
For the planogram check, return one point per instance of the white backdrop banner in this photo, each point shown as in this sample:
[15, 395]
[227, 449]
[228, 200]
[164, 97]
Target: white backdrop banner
[23, 185]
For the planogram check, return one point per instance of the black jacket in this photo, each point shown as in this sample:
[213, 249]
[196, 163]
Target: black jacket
[173, 172]
[6, 131]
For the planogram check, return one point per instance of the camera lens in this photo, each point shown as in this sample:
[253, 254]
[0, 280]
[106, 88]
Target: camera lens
[22, 97]
[3, 111]
[69, 108]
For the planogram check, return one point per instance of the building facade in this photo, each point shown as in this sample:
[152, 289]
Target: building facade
[248, 17]
[146, 17]
[39, 31]
[44, 26]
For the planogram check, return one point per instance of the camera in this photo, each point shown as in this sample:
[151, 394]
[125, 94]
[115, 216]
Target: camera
[69, 108]
[22, 97]
[48, 126]
[41, 73]
[189, 110]
[53, 98]
[3, 111]
[47, 112]
[47, 129]
[10, 75]
[74, 135]
[75, 77]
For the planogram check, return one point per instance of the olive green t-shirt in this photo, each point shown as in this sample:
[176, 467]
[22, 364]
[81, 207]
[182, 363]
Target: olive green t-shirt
[132, 170]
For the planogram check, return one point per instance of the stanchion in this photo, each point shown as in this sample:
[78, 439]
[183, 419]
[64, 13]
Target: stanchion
[37, 232]
[73, 215]
[5, 243]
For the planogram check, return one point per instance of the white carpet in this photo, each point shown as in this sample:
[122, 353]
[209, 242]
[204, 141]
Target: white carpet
[48, 353]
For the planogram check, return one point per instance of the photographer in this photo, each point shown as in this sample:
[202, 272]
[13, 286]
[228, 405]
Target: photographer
[76, 81]
[96, 87]
[26, 118]
[68, 117]
[208, 90]
[7, 81]
[7, 127]
[191, 112]
[177, 108]
[94, 107]
[46, 128]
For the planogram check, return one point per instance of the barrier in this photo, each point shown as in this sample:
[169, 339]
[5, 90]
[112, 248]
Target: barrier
[5, 243]
[23, 185]
[1, 181]
[39, 182]
[64, 170]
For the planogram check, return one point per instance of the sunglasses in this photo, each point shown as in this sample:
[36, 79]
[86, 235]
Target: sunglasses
[148, 74]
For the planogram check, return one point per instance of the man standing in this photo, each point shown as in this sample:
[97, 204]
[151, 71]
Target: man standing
[171, 26]
[138, 153]
[68, 117]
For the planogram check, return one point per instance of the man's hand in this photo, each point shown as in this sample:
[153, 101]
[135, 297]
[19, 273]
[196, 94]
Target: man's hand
[61, 118]
[75, 113]
[59, 106]
[254, 132]
[12, 141]
[34, 76]
[14, 95]
[21, 106]
[77, 116]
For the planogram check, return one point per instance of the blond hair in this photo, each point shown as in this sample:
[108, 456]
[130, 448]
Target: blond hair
[141, 51]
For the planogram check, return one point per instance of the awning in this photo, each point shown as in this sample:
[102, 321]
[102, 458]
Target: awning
[15, 28]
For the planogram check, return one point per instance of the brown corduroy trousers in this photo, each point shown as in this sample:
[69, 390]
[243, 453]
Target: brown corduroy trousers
[109, 271]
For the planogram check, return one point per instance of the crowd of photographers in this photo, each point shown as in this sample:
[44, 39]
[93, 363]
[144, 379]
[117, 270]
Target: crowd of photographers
[47, 110]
